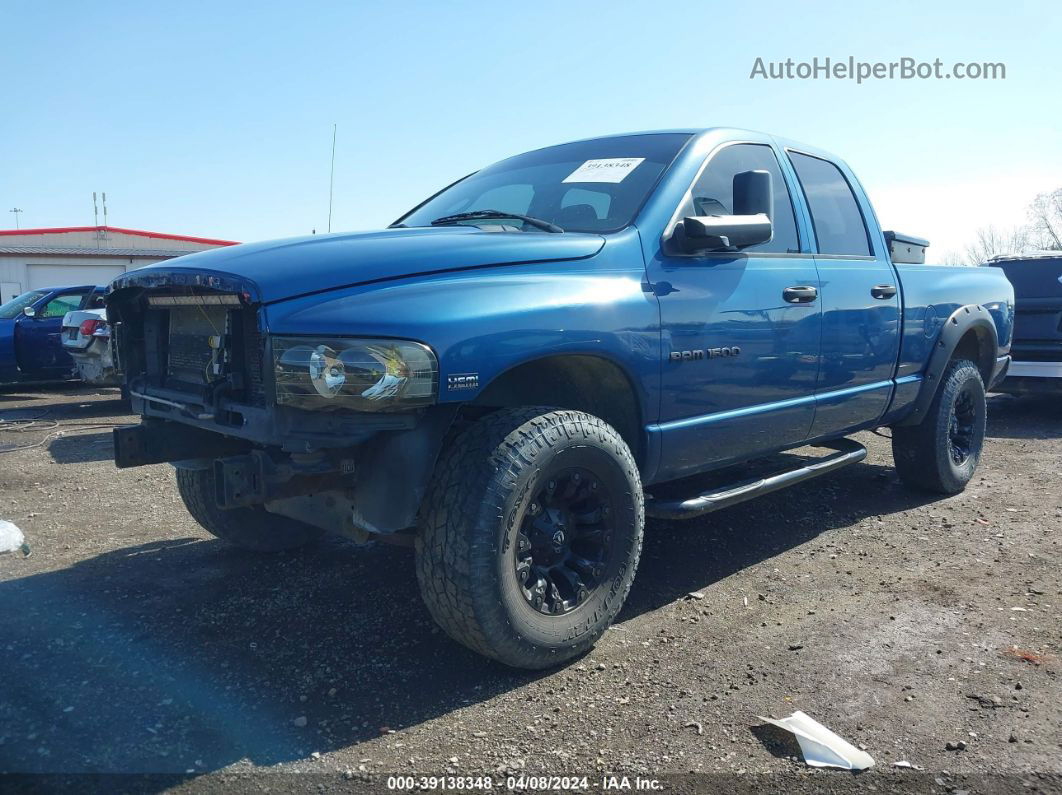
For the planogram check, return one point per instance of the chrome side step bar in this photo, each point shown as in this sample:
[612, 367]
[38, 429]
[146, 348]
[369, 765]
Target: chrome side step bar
[848, 452]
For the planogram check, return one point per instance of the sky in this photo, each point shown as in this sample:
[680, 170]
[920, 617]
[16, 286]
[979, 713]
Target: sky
[215, 118]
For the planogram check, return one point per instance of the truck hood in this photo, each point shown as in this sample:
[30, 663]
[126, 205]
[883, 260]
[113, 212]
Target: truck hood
[282, 269]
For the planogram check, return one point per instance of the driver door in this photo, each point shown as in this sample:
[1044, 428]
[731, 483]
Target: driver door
[740, 345]
[38, 339]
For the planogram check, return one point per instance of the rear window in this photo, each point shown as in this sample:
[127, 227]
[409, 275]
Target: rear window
[835, 213]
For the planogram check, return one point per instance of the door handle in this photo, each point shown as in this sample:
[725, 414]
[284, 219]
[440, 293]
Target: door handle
[802, 294]
[883, 290]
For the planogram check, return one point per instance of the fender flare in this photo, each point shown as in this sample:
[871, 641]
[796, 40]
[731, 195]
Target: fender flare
[971, 317]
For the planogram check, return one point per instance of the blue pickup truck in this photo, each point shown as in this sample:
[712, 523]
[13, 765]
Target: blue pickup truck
[505, 376]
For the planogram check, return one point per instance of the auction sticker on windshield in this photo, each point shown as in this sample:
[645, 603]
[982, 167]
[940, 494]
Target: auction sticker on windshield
[609, 169]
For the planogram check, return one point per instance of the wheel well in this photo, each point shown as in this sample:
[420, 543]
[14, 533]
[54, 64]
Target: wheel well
[572, 381]
[978, 346]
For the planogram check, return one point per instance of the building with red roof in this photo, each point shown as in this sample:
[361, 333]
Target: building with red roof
[35, 258]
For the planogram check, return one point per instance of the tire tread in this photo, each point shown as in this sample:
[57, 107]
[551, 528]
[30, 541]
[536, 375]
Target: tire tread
[920, 451]
[464, 488]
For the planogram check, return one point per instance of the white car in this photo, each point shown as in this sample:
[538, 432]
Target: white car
[87, 338]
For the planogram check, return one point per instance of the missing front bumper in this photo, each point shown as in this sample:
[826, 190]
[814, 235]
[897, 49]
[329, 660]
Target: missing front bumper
[160, 442]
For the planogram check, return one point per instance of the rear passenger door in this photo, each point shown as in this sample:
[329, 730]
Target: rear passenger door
[859, 296]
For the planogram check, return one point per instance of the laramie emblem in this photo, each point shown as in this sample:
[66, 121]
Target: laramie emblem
[706, 353]
[462, 381]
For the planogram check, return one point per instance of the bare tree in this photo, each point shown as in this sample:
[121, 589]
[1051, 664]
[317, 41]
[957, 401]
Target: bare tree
[951, 257]
[992, 241]
[1045, 220]
[1042, 233]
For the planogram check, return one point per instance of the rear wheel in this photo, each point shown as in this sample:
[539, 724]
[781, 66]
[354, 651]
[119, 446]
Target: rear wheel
[531, 535]
[250, 528]
[941, 453]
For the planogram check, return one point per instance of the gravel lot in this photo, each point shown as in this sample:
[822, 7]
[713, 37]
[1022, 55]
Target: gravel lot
[131, 641]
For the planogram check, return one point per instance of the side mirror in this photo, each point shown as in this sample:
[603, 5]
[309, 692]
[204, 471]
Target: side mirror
[753, 193]
[29, 311]
[725, 232]
[749, 225]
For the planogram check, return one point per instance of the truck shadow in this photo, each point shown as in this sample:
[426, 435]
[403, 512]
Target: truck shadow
[1025, 417]
[80, 448]
[96, 401]
[188, 655]
[679, 557]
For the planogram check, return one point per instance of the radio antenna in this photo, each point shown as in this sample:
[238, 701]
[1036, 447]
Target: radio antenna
[331, 177]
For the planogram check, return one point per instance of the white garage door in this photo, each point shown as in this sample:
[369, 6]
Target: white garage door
[70, 275]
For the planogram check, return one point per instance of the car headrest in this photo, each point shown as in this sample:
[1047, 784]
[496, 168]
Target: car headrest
[575, 215]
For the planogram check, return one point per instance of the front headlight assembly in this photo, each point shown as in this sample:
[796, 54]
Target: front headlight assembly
[356, 374]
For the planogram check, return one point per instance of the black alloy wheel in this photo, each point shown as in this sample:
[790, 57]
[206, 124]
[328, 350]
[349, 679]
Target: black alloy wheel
[564, 541]
[961, 427]
[531, 534]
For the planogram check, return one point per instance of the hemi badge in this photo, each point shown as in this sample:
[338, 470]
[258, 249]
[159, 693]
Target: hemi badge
[462, 381]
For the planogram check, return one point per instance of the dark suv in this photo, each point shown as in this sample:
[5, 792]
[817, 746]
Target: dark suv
[1036, 363]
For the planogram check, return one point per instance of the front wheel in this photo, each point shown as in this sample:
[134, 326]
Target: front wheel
[531, 535]
[941, 453]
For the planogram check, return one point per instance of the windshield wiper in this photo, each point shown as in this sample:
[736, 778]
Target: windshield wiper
[538, 223]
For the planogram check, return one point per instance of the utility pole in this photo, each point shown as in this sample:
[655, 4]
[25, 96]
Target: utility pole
[331, 177]
[16, 211]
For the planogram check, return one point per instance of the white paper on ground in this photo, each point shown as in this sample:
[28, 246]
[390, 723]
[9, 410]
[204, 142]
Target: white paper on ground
[820, 746]
[11, 538]
[609, 169]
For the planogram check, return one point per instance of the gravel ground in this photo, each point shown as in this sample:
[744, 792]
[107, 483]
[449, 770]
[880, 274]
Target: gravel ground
[133, 642]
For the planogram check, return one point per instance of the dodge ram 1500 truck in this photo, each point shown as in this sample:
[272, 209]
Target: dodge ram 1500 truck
[505, 375]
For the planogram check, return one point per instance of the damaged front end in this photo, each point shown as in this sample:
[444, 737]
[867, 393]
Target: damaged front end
[191, 347]
[195, 352]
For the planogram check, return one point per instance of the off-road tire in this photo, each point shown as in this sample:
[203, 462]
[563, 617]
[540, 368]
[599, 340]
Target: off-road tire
[250, 528]
[925, 454]
[477, 503]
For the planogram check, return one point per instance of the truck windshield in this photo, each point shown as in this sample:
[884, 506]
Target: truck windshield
[12, 308]
[589, 186]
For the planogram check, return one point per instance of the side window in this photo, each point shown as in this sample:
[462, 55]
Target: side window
[835, 213]
[713, 194]
[61, 304]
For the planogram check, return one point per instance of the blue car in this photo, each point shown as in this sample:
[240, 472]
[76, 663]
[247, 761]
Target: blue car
[511, 373]
[31, 326]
